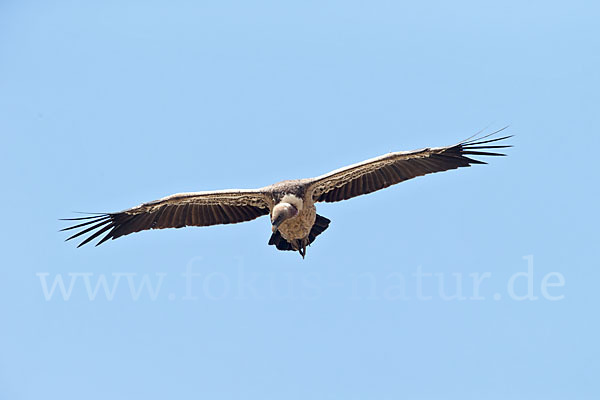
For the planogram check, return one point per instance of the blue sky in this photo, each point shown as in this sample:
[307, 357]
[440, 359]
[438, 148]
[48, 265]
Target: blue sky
[104, 105]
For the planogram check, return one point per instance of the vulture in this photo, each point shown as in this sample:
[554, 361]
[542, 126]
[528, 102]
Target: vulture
[290, 204]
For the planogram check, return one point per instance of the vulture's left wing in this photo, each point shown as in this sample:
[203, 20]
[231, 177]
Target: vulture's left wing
[176, 211]
[381, 172]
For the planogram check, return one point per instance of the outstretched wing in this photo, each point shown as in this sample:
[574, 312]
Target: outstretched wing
[176, 211]
[381, 172]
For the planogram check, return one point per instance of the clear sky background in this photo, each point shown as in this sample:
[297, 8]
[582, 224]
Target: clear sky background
[104, 105]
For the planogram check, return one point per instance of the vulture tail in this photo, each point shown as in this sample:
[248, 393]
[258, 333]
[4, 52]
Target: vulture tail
[321, 223]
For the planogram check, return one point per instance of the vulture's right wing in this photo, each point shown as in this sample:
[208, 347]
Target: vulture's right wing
[381, 172]
[176, 211]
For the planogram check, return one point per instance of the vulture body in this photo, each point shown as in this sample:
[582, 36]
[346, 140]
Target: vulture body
[290, 204]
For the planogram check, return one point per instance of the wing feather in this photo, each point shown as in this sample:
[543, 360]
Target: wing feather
[176, 211]
[381, 172]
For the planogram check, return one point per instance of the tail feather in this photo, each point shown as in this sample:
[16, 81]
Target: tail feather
[278, 241]
[321, 223]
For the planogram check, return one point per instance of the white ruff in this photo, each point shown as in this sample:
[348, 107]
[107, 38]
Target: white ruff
[293, 200]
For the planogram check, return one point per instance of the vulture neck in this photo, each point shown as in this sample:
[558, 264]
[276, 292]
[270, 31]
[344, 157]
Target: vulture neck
[293, 200]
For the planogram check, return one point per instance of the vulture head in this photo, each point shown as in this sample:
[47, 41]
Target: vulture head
[282, 212]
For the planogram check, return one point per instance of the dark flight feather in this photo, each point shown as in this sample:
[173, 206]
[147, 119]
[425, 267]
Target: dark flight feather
[381, 172]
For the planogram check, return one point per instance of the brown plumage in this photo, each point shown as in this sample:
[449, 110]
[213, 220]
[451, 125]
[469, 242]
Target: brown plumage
[295, 223]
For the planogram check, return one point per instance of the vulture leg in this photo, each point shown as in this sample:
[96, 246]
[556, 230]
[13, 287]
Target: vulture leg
[302, 249]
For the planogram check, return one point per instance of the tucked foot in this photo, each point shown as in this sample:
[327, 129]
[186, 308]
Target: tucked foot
[302, 246]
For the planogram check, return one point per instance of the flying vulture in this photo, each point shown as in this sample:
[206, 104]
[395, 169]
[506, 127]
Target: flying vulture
[290, 204]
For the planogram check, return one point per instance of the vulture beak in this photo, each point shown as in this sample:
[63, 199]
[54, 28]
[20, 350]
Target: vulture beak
[275, 225]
